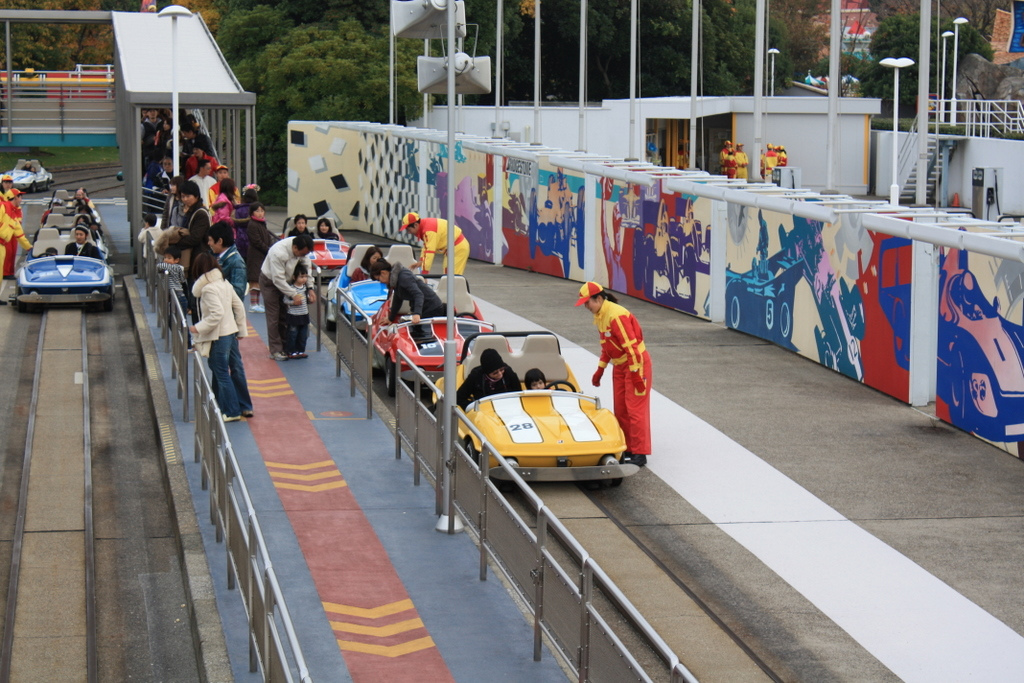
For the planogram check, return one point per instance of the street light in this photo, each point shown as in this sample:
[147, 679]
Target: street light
[895, 64]
[956, 54]
[772, 52]
[175, 11]
[946, 35]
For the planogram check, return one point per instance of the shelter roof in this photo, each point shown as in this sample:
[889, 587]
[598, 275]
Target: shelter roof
[143, 56]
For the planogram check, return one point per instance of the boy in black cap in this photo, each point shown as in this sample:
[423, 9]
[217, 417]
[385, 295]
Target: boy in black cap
[492, 376]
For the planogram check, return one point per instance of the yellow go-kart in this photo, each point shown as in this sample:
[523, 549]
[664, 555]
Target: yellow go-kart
[553, 434]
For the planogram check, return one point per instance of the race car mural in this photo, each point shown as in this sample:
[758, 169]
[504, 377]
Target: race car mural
[761, 301]
[980, 373]
[656, 245]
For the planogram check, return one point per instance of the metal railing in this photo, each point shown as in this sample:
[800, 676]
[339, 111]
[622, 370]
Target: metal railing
[981, 118]
[353, 348]
[153, 201]
[249, 565]
[592, 625]
[274, 648]
[65, 106]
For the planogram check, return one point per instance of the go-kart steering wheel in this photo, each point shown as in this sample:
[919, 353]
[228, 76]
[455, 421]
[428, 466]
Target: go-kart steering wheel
[561, 385]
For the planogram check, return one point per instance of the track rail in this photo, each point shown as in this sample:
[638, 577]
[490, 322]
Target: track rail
[53, 527]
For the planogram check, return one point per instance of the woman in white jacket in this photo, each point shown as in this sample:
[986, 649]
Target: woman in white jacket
[216, 336]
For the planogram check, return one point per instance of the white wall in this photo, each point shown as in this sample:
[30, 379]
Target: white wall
[798, 123]
[969, 154]
[978, 152]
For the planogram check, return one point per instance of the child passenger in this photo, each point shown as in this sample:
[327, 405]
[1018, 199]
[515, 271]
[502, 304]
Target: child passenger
[535, 379]
[297, 318]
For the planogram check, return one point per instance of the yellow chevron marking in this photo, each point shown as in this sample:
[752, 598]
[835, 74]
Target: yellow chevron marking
[311, 488]
[271, 394]
[369, 612]
[289, 466]
[305, 477]
[379, 631]
[388, 650]
[273, 380]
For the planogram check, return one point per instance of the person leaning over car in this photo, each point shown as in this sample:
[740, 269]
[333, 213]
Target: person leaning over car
[405, 286]
[622, 345]
[491, 376]
[277, 267]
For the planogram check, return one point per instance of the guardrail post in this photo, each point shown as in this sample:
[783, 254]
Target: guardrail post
[586, 593]
[319, 306]
[538, 584]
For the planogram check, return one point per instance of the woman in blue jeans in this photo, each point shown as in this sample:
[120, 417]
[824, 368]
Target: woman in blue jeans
[216, 336]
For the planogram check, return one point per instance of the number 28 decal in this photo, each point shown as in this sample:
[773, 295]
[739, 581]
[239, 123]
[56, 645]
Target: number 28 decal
[522, 426]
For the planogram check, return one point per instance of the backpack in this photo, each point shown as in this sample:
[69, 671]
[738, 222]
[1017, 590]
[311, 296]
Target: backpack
[242, 238]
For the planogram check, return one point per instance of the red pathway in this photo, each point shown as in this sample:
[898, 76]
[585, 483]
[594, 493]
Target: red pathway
[378, 629]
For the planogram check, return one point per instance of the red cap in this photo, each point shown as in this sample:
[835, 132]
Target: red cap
[409, 220]
[15, 192]
[222, 167]
[588, 290]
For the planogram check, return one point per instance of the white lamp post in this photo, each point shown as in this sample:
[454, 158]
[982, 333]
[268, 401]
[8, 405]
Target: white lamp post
[956, 55]
[773, 52]
[895, 64]
[175, 11]
[946, 35]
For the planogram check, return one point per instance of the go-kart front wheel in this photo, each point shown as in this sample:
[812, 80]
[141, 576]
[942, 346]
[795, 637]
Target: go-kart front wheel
[612, 460]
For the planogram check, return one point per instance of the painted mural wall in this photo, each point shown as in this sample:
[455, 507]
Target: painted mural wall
[655, 245]
[834, 293]
[980, 365]
[543, 226]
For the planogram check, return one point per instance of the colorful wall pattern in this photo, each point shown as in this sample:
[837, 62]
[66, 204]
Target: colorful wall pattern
[543, 223]
[837, 294]
[655, 245]
[819, 290]
[980, 366]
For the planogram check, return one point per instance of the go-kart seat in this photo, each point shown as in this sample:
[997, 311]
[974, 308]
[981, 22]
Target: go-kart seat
[400, 253]
[49, 233]
[538, 351]
[35, 165]
[481, 344]
[541, 351]
[21, 164]
[355, 257]
[463, 299]
[41, 245]
[63, 195]
[56, 220]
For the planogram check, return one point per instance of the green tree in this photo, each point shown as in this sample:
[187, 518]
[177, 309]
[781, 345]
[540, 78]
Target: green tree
[333, 72]
[897, 36]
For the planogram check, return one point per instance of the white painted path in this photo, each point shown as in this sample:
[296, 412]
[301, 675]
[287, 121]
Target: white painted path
[915, 624]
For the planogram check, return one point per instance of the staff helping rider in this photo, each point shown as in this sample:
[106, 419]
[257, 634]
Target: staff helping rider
[433, 232]
[622, 344]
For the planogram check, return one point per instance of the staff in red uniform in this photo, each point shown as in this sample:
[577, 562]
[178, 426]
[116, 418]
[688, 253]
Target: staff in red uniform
[433, 232]
[11, 234]
[622, 344]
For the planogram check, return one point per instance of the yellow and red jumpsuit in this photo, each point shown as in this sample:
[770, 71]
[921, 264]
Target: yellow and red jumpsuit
[11, 235]
[622, 344]
[433, 232]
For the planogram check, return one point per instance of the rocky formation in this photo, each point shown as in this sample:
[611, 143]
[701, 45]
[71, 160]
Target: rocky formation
[980, 79]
